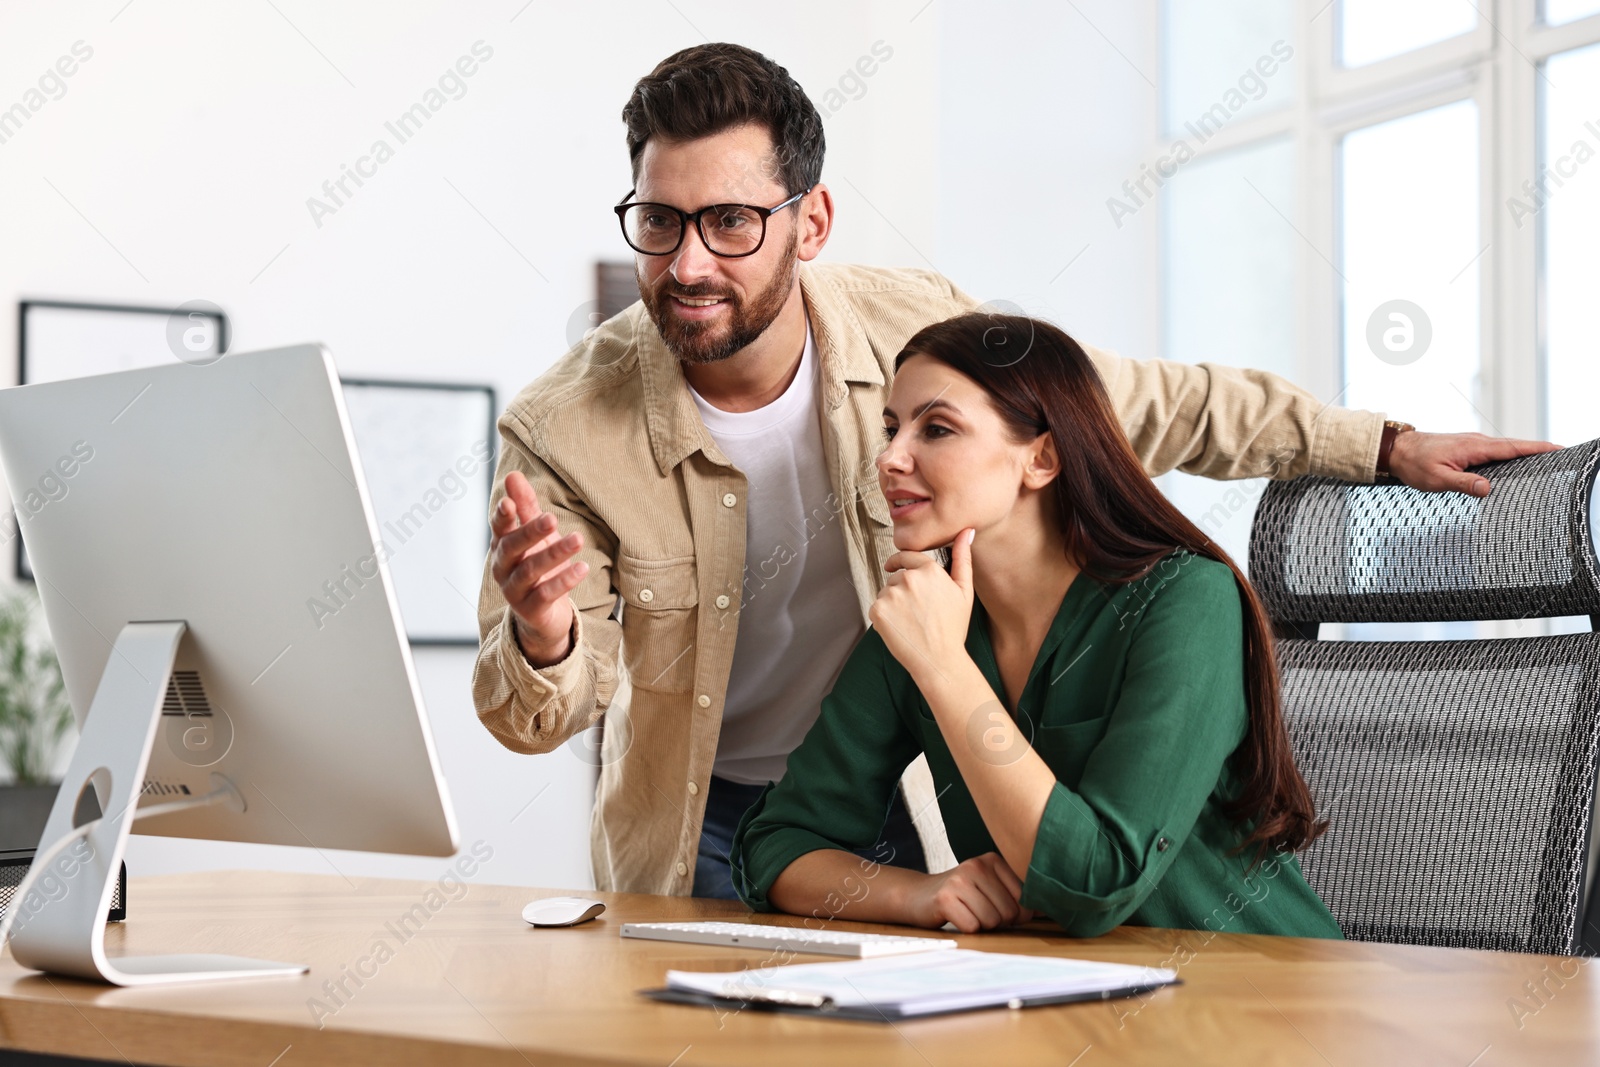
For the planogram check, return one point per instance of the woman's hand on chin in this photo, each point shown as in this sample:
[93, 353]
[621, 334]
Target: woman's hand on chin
[922, 613]
[982, 893]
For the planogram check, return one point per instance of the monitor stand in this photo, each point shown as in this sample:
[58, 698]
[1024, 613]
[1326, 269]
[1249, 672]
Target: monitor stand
[66, 935]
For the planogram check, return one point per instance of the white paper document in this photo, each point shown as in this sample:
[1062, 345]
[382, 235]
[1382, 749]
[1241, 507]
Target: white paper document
[932, 982]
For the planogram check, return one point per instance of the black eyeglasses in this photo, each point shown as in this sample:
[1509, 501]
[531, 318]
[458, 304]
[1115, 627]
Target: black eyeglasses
[736, 229]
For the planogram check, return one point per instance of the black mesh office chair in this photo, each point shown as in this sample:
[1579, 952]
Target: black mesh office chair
[1458, 776]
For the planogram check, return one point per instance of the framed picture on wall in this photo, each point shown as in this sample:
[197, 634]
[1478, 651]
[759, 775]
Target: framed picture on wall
[428, 452]
[616, 285]
[59, 339]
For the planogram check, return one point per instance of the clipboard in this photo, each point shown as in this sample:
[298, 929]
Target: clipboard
[821, 1007]
[893, 988]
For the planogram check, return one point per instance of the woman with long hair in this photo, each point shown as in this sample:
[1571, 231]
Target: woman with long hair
[1092, 680]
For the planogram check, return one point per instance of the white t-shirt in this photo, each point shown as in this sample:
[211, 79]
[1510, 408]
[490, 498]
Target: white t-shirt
[799, 616]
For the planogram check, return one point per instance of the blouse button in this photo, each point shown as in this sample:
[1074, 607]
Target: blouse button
[646, 595]
[723, 602]
[729, 500]
[1161, 845]
[703, 700]
[683, 868]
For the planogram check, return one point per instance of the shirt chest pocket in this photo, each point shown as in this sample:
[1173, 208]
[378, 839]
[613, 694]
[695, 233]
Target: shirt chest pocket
[659, 616]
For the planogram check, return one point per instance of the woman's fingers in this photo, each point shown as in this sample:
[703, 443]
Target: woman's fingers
[1008, 877]
[970, 901]
[956, 912]
[980, 893]
[907, 560]
[999, 897]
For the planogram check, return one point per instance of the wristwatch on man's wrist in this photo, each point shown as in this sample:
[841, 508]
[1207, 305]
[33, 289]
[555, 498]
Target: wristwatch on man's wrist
[1391, 430]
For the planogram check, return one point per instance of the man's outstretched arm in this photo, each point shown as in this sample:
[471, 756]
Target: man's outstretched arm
[1225, 422]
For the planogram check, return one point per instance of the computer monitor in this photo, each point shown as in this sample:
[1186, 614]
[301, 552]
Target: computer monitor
[216, 587]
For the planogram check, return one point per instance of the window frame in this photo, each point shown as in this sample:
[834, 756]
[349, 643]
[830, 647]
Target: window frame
[1340, 82]
[1499, 65]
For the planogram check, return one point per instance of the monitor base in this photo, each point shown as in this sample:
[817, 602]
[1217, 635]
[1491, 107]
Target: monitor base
[63, 932]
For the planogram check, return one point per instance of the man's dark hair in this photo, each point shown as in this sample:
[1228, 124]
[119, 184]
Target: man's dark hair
[710, 88]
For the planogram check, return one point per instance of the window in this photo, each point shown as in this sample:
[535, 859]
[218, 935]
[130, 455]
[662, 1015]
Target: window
[1566, 197]
[1558, 12]
[1230, 259]
[1229, 267]
[1408, 241]
[1213, 49]
[1373, 30]
[1433, 169]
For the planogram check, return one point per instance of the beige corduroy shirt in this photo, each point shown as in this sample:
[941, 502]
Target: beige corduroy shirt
[614, 447]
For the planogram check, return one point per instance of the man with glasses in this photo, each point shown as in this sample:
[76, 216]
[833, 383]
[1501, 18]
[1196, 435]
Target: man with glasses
[687, 527]
[736, 229]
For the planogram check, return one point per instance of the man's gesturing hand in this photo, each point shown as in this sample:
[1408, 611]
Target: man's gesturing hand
[1438, 461]
[535, 568]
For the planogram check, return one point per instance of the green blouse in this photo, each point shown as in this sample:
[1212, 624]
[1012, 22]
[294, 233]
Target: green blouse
[1136, 701]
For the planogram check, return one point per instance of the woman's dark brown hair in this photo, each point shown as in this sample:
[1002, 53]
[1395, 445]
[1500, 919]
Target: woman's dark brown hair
[1118, 527]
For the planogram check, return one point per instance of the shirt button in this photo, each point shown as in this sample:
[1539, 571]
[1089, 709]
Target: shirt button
[683, 868]
[693, 789]
[722, 602]
[646, 595]
[1161, 845]
[729, 500]
[703, 700]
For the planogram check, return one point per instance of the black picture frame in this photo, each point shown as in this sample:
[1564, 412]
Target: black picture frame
[419, 632]
[21, 568]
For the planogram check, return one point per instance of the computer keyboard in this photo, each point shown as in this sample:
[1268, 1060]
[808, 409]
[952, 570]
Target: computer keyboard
[792, 938]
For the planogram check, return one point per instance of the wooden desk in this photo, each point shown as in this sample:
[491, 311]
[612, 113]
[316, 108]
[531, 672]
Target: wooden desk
[473, 984]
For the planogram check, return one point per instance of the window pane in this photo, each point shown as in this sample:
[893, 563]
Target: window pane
[1570, 215]
[1229, 294]
[1223, 59]
[1410, 257]
[1558, 11]
[1370, 30]
[1230, 259]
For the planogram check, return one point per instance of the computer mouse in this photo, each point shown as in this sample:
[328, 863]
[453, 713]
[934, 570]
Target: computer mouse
[562, 911]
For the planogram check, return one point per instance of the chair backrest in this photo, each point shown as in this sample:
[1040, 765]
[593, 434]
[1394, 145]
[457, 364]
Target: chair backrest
[1458, 776]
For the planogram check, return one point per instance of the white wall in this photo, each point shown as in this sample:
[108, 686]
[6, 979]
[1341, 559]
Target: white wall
[1045, 109]
[178, 163]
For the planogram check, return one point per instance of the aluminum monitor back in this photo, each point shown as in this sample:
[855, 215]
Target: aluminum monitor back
[230, 496]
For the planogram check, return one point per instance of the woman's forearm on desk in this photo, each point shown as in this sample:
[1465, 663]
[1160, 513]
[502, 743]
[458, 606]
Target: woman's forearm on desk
[1009, 781]
[978, 894]
[831, 883]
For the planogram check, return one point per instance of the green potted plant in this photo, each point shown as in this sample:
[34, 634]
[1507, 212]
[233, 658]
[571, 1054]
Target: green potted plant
[34, 718]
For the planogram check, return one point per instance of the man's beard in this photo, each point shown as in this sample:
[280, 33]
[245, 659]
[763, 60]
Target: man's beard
[695, 343]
